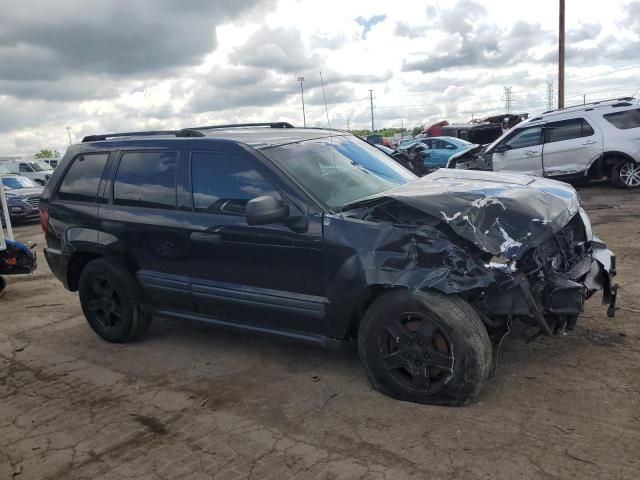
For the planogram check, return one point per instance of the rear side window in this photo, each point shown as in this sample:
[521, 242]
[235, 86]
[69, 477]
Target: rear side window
[224, 183]
[82, 179]
[146, 179]
[624, 120]
[567, 129]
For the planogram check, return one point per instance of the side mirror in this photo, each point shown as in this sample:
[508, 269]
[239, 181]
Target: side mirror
[265, 210]
[501, 148]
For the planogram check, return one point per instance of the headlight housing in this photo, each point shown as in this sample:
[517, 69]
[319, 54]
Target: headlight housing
[587, 223]
[502, 264]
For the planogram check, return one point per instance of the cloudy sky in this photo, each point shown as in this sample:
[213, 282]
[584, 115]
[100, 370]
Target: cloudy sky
[120, 65]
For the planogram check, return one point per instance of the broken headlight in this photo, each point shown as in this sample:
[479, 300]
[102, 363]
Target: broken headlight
[501, 263]
[587, 223]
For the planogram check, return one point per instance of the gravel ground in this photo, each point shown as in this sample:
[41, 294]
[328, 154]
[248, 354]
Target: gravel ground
[191, 401]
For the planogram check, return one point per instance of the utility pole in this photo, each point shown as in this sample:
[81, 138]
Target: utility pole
[561, 57]
[371, 98]
[584, 99]
[304, 117]
[507, 99]
[549, 95]
[348, 124]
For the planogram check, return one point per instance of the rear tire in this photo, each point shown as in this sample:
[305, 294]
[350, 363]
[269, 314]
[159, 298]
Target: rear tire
[626, 174]
[425, 347]
[110, 301]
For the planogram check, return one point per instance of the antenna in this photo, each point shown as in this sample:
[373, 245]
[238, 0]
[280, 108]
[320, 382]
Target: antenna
[326, 110]
[325, 100]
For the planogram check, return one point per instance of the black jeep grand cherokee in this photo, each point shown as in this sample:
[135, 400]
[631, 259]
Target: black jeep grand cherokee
[316, 235]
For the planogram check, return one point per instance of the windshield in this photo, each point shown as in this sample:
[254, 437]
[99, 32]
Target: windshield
[40, 166]
[340, 170]
[18, 182]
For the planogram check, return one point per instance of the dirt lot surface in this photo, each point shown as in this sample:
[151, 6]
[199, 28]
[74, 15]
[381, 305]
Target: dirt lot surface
[191, 401]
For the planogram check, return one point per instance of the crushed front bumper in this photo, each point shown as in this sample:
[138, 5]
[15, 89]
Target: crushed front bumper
[555, 300]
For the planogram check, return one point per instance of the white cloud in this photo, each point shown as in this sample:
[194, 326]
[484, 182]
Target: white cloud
[132, 66]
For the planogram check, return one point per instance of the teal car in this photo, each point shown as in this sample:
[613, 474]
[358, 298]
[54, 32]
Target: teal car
[441, 149]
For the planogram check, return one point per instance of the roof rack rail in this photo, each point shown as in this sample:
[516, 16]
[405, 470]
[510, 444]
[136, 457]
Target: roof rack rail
[239, 125]
[185, 132]
[599, 102]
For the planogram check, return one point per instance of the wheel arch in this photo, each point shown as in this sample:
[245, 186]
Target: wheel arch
[605, 163]
[77, 262]
[368, 296]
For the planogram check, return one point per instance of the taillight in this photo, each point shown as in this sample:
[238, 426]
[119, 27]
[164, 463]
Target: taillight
[44, 219]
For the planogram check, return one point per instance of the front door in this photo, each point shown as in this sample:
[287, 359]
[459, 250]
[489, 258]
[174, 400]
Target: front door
[570, 146]
[520, 152]
[266, 276]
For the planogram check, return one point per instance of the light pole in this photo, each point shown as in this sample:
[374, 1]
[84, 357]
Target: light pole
[304, 117]
[561, 57]
[69, 134]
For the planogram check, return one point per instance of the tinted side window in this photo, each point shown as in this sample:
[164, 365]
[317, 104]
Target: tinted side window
[568, 129]
[223, 183]
[24, 168]
[83, 178]
[146, 179]
[527, 137]
[624, 120]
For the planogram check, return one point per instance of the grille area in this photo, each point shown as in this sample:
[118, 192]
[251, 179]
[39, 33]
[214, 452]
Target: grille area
[33, 202]
[565, 248]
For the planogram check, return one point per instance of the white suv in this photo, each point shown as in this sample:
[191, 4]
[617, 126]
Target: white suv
[600, 139]
[36, 170]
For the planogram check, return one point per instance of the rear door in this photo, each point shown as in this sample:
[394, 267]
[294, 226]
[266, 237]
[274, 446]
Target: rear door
[520, 152]
[141, 225]
[570, 146]
[267, 276]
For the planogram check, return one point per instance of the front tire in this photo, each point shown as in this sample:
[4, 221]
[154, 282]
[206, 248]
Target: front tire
[109, 299]
[626, 174]
[425, 347]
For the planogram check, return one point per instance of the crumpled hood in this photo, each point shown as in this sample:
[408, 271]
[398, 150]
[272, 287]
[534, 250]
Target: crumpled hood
[504, 214]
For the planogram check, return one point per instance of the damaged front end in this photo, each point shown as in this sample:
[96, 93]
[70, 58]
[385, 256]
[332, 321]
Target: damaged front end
[474, 158]
[512, 246]
[548, 285]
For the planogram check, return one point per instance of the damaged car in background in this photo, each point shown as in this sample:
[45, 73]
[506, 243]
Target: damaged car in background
[317, 235]
[580, 143]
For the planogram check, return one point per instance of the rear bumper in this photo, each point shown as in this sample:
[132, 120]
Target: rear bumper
[58, 263]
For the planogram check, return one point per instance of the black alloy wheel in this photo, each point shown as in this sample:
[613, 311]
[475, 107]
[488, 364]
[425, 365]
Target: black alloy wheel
[417, 353]
[105, 303]
[424, 346]
[111, 301]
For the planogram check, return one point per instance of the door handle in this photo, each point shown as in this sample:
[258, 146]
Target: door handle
[529, 153]
[590, 142]
[203, 237]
